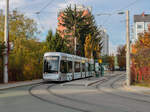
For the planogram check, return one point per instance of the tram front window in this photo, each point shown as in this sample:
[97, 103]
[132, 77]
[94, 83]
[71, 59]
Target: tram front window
[51, 64]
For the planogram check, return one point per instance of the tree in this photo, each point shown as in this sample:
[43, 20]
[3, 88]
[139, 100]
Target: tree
[20, 26]
[109, 60]
[141, 57]
[56, 43]
[73, 20]
[92, 47]
[25, 60]
[141, 49]
[121, 55]
[88, 48]
[79, 25]
[1, 48]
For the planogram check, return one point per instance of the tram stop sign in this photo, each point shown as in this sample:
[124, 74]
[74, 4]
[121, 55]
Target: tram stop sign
[100, 61]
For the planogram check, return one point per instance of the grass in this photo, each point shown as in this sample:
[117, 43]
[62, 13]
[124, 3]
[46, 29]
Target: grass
[143, 83]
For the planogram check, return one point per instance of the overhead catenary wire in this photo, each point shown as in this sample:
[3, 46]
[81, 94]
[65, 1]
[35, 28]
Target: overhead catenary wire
[39, 20]
[40, 11]
[43, 8]
[116, 11]
[129, 5]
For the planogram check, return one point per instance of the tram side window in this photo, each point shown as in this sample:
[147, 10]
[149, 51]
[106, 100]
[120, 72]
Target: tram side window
[83, 67]
[77, 66]
[70, 66]
[89, 67]
[63, 66]
[86, 67]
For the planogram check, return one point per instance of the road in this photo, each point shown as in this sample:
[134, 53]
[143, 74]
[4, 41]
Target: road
[106, 96]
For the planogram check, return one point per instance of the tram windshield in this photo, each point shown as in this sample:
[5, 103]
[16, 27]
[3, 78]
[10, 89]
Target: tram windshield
[51, 64]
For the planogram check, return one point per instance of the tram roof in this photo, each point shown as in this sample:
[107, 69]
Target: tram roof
[56, 54]
[65, 54]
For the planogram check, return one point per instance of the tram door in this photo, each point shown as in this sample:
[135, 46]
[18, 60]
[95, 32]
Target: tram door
[63, 70]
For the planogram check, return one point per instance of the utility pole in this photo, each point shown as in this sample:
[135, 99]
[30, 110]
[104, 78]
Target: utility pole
[6, 40]
[128, 80]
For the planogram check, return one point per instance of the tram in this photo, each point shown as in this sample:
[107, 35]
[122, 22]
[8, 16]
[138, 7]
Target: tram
[59, 66]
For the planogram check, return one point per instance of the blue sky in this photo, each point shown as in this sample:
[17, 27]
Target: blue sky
[115, 24]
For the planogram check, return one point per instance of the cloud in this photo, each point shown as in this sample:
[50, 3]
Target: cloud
[12, 3]
[48, 17]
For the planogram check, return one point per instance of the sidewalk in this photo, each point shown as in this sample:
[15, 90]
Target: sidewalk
[18, 84]
[138, 89]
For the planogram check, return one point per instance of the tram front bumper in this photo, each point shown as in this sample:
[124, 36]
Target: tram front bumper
[51, 77]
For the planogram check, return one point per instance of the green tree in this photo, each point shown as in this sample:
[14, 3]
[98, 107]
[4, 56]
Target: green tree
[79, 25]
[56, 43]
[74, 21]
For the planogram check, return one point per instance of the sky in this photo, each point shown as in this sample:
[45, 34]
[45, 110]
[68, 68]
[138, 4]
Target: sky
[114, 24]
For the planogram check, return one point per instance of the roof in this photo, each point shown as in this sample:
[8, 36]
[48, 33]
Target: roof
[65, 54]
[142, 18]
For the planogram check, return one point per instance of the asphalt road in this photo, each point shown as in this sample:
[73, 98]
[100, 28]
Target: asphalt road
[105, 96]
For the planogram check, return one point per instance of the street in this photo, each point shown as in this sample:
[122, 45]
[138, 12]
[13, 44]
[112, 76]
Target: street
[108, 95]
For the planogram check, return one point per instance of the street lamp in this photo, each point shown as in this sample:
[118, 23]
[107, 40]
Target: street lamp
[128, 77]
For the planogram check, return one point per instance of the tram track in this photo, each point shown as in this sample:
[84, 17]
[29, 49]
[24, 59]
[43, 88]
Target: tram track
[68, 98]
[112, 85]
[72, 99]
[48, 89]
[51, 101]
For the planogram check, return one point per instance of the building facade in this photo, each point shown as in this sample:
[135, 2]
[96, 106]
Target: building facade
[105, 40]
[141, 24]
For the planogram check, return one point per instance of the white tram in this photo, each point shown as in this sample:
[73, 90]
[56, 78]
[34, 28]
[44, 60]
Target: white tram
[65, 67]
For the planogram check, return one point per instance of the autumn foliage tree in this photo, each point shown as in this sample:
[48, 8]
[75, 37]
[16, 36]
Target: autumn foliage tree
[141, 57]
[109, 60]
[92, 47]
[121, 55]
[25, 60]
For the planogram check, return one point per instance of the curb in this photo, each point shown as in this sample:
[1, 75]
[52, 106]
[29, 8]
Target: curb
[128, 88]
[94, 82]
[134, 90]
[19, 84]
